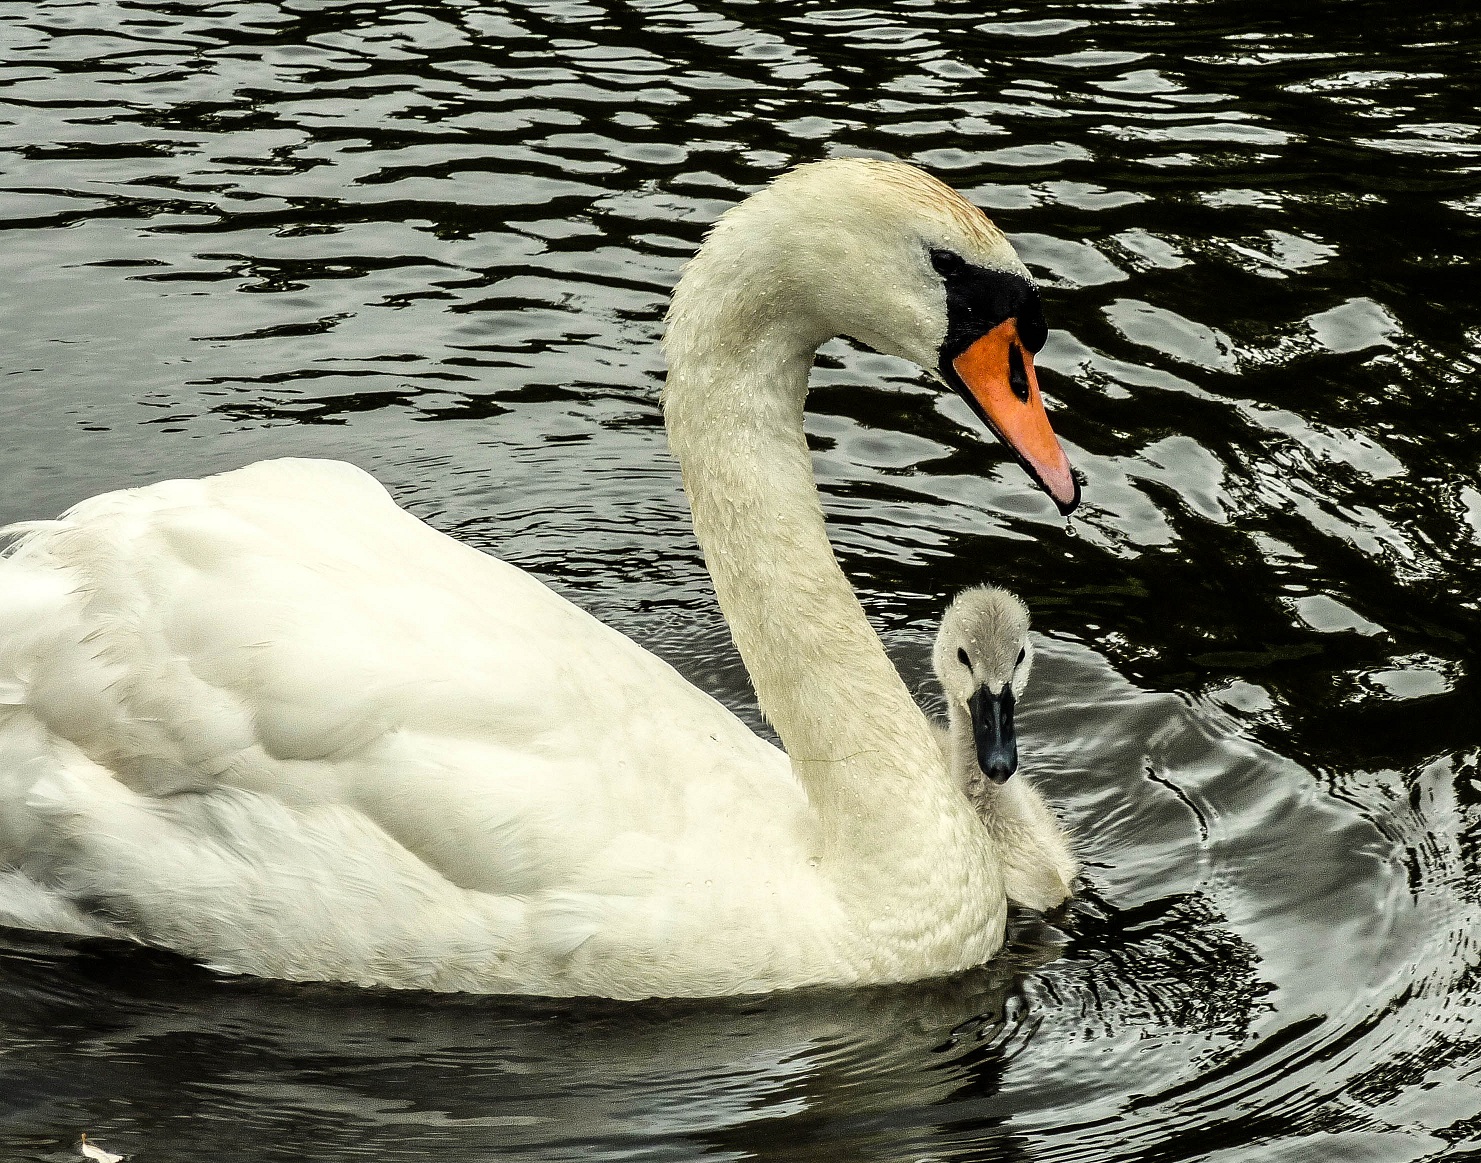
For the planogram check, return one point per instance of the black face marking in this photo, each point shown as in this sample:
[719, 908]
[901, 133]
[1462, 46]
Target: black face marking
[978, 299]
[965, 661]
[1022, 654]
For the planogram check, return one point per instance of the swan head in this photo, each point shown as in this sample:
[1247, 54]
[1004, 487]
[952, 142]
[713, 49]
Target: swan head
[887, 255]
[982, 658]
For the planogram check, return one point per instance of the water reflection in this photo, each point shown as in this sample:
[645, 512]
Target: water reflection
[437, 239]
[349, 1074]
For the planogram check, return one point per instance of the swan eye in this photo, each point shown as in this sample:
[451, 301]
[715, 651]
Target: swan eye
[1022, 654]
[963, 659]
[947, 262]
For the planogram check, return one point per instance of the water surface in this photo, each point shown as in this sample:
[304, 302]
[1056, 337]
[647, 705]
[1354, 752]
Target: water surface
[436, 239]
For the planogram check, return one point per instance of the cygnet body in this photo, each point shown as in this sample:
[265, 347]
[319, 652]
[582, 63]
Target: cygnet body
[983, 657]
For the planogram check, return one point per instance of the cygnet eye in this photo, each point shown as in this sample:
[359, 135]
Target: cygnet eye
[963, 659]
[1022, 654]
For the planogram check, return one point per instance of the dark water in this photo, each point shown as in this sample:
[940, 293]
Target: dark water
[436, 239]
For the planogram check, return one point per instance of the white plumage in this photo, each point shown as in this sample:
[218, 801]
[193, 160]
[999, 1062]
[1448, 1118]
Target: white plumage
[273, 721]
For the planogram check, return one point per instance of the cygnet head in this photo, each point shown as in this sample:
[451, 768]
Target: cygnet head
[885, 254]
[983, 657]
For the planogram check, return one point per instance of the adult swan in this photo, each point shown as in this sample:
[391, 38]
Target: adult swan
[272, 721]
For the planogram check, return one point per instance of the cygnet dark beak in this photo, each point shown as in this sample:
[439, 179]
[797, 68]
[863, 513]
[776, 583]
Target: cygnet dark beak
[992, 728]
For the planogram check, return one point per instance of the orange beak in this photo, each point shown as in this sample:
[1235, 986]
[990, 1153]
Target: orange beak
[996, 376]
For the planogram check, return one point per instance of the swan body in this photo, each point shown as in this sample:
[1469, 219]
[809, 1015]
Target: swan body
[982, 657]
[272, 721]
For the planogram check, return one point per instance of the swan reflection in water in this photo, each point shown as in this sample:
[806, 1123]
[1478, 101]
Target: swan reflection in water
[338, 1073]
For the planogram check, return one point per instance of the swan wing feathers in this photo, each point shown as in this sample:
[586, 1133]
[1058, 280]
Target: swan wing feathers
[287, 633]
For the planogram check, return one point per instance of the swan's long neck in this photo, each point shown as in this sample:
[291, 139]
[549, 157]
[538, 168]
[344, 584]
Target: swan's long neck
[734, 408]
